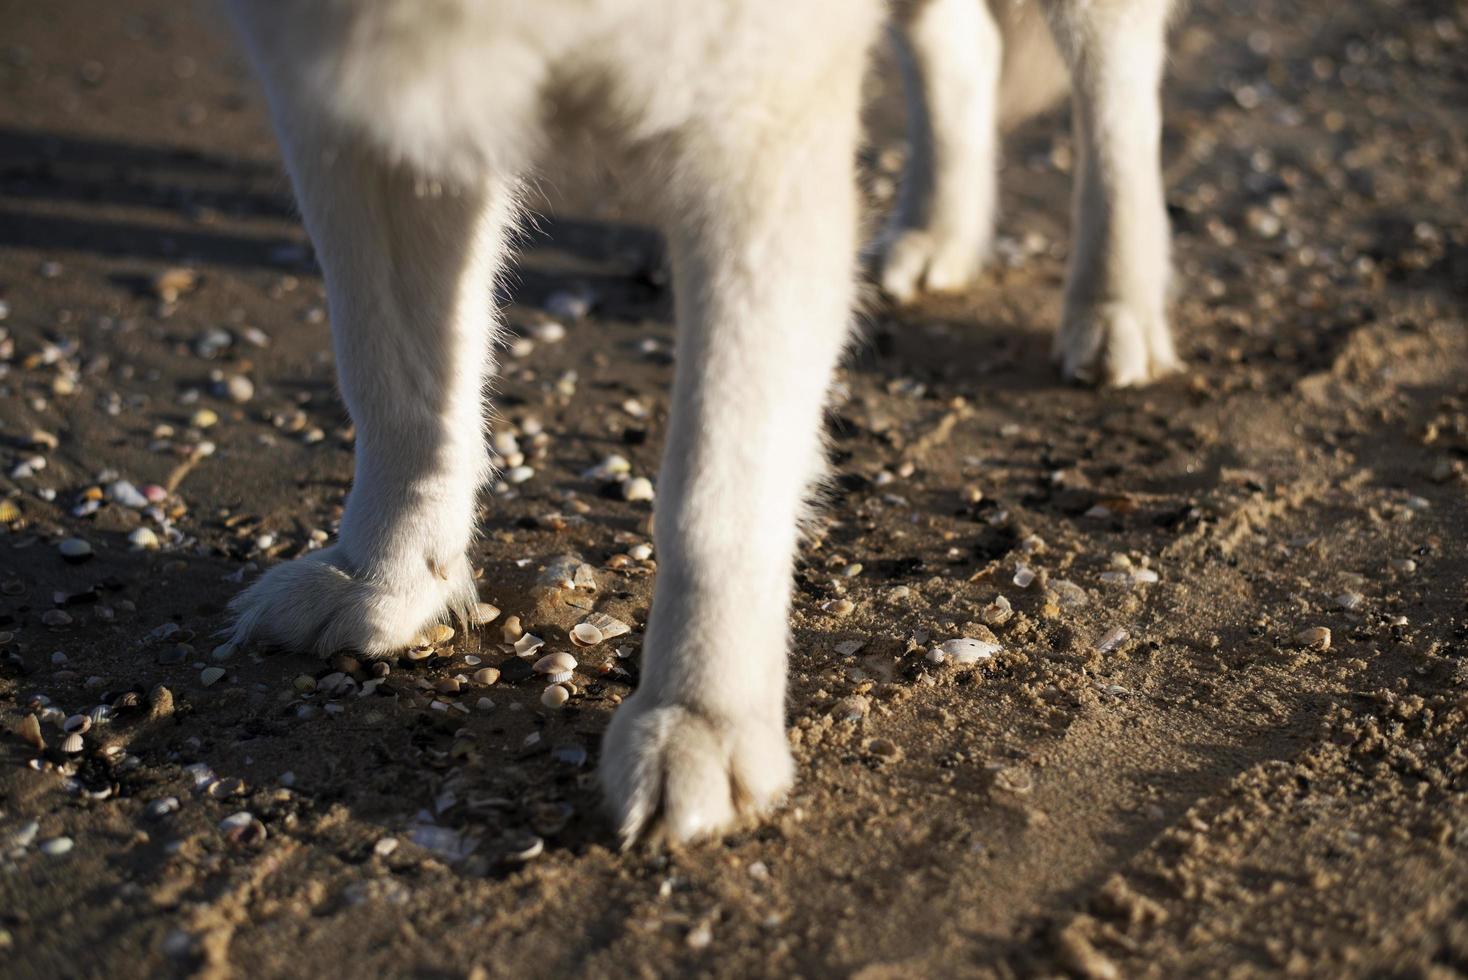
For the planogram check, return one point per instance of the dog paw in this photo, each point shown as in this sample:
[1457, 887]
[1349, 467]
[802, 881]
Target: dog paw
[673, 774]
[1115, 345]
[914, 261]
[321, 604]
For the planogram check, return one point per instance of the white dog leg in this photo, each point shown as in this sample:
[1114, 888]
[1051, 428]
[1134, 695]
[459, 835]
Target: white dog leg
[942, 229]
[1114, 329]
[409, 269]
[763, 246]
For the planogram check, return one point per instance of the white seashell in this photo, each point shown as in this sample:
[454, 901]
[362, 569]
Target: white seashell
[1112, 639]
[1349, 600]
[483, 613]
[609, 626]
[585, 635]
[637, 488]
[143, 539]
[610, 468]
[967, 651]
[526, 645]
[640, 552]
[1024, 576]
[79, 724]
[72, 744]
[557, 667]
[549, 332]
[101, 714]
[555, 696]
[237, 821]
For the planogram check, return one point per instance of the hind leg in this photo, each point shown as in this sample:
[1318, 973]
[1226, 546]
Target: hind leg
[409, 274]
[1114, 328]
[942, 229]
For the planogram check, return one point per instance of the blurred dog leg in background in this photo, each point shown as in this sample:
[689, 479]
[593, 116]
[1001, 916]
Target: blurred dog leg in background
[971, 69]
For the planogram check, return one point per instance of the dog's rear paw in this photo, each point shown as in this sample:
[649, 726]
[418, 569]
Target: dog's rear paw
[320, 604]
[670, 773]
[1115, 345]
[915, 261]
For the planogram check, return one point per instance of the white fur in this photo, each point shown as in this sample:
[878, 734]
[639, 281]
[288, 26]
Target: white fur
[408, 127]
[969, 69]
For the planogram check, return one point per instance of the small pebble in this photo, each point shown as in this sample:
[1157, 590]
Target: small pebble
[75, 550]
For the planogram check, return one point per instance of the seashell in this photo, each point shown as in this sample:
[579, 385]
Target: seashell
[637, 488]
[558, 667]
[511, 629]
[242, 828]
[101, 714]
[1314, 638]
[1024, 575]
[523, 847]
[526, 645]
[29, 730]
[585, 635]
[222, 789]
[486, 676]
[80, 724]
[555, 696]
[57, 846]
[447, 685]
[210, 676]
[1112, 639]
[609, 626]
[72, 744]
[1349, 600]
[965, 650]
[640, 552]
[440, 634]
[483, 612]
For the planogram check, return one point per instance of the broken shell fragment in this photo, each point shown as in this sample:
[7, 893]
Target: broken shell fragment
[526, 645]
[963, 651]
[609, 626]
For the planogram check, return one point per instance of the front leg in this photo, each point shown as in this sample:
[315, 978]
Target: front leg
[763, 251]
[1114, 327]
[408, 278]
